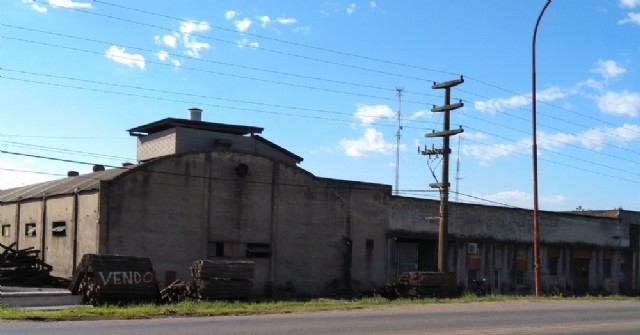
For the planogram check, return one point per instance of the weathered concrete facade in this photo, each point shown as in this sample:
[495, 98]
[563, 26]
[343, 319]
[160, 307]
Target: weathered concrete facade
[210, 190]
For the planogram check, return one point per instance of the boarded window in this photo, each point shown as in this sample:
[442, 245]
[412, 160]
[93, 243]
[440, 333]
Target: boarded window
[6, 230]
[258, 250]
[30, 229]
[59, 228]
[215, 249]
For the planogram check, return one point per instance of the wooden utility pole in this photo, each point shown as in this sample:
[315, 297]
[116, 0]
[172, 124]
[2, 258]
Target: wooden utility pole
[443, 232]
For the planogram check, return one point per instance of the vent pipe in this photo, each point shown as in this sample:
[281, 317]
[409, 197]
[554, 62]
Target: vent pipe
[97, 168]
[73, 174]
[195, 114]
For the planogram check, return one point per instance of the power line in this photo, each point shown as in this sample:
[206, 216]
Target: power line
[212, 61]
[415, 67]
[287, 114]
[186, 101]
[261, 49]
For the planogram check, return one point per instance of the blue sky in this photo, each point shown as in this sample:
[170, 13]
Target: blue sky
[321, 78]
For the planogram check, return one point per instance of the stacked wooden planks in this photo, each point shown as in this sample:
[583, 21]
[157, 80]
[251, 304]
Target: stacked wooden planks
[222, 278]
[178, 291]
[423, 284]
[117, 279]
[23, 267]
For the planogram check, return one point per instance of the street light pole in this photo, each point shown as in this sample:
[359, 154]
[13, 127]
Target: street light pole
[536, 225]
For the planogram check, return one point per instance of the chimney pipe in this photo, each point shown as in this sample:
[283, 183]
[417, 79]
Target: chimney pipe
[98, 167]
[73, 174]
[195, 114]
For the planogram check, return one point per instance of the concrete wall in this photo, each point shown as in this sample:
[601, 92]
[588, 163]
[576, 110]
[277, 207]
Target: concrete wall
[179, 209]
[162, 143]
[8, 224]
[88, 222]
[30, 213]
[58, 245]
[156, 211]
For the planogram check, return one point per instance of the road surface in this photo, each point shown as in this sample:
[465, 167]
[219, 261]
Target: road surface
[541, 317]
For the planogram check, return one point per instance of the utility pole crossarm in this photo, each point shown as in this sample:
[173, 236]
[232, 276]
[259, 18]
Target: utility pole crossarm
[444, 133]
[447, 108]
[448, 84]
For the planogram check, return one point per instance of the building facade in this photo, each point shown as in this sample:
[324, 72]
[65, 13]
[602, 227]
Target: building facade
[204, 190]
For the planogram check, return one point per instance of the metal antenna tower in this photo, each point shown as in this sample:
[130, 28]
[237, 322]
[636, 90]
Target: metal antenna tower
[398, 114]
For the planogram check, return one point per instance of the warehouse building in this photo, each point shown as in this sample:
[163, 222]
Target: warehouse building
[204, 190]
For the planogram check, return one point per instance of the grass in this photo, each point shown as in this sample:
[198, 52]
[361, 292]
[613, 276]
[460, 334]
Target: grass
[221, 308]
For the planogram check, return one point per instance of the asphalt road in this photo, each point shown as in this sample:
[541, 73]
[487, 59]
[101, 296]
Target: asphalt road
[543, 317]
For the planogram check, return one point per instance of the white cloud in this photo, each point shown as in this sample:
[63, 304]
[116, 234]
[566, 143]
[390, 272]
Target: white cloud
[230, 14]
[164, 56]
[631, 18]
[264, 21]
[629, 3]
[593, 139]
[243, 25]
[118, 55]
[193, 46]
[304, 30]
[623, 103]
[245, 43]
[608, 69]
[35, 6]
[421, 114]
[592, 83]
[69, 4]
[167, 40]
[496, 105]
[189, 26]
[351, 9]
[286, 20]
[371, 142]
[373, 4]
[368, 114]
[596, 138]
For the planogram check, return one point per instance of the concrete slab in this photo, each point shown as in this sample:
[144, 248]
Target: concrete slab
[33, 297]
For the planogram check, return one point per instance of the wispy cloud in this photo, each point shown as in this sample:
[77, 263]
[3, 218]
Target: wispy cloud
[371, 142]
[368, 114]
[286, 20]
[35, 6]
[631, 18]
[620, 103]
[189, 26]
[630, 3]
[164, 56]
[499, 104]
[593, 139]
[351, 9]
[69, 4]
[118, 55]
[608, 69]
[243, 43]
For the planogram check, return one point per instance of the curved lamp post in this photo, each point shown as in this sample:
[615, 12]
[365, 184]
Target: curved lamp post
[536, 226]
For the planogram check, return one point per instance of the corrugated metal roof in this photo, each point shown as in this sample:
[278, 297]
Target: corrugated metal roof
[69, 185]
